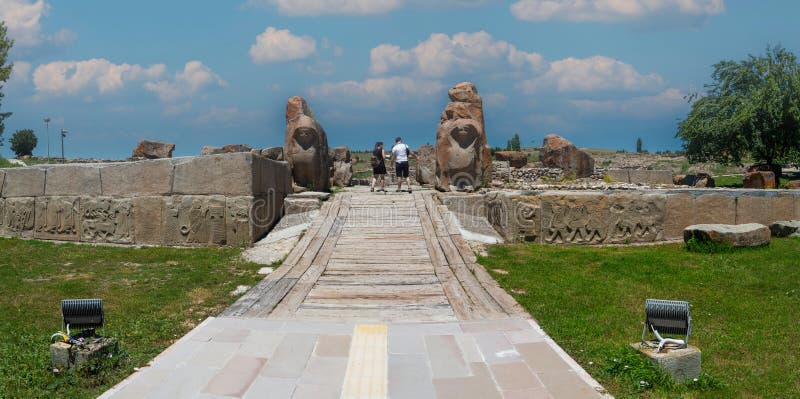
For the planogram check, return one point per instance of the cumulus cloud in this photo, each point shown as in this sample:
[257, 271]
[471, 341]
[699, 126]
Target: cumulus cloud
[372, 92]
[72, 77]
[20, 73]
[667, 101]
[440, 55]
[592, 74]
[611, 10]
[280, 45]
[296, 8]
[23, 20]
[194, 78]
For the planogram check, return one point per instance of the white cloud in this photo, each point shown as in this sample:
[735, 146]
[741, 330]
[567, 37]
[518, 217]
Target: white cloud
[280, 45]
[23, 20]
[611, 10]
[440, 55]
[592, 74]
[20, 73]
[72, 77]
[667, 101]
[495, 100]
[296, 8]
[217, 116]
[194, 78]
[374, 92]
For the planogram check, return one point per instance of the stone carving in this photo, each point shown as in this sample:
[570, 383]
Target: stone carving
[463, 157]
[558, 152]
[517, 218]
[57, 218]
[342, 171]
[426, 165]
[153, 150]
[306, 146]
[195, 220]
[568, 222]
[107, 220]
[636, 218]
[273, 153]
[516, 159]
[238, 230]
[19, 213]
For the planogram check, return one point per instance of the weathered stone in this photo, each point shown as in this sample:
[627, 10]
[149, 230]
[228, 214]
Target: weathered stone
[782, 207]
[238, 227]
[517, 218]
[426, 165]
[700, 180]
[231, 148]
[106, 220]
[148, 220]
[754, 209]
[341, 154]
[19, 216]
[72, 180]
[680, 212]
[133, 179]
[682, 365]
[776, 169]
[292, 206]
[793, 185]
[558, 152]
[306, 146]
[463, 158]
[210, 150]
[24, 182]
[741, 235]
[714, 208]
[619, 175]
[226, 174]
[342, 173]
[59, 356]
[663, 177]
[273, 153]
[57, 218]
[320, 196]
[516, 159]
[64, 356]
[195, 220]
[2, 180]
[785, 228]
[759, 180]
[704, 180]
[2, 214]
[153, 150]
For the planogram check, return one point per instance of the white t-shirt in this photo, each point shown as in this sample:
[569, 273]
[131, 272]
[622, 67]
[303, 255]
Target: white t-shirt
[400, 152]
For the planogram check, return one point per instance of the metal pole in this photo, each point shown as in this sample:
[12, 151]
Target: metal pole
[47, 128]
[63, 134]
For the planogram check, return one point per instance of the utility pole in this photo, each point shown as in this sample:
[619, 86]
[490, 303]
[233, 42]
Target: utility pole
[63, 134]
[47, 128]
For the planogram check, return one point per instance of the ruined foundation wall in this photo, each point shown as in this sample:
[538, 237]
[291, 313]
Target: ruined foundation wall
[218, 200]
[563, 217]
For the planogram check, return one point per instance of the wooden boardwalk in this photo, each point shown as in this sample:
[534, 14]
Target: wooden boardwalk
[380, 257]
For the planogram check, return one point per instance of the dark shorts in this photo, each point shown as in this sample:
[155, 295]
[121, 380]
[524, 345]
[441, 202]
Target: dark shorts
[401, 169]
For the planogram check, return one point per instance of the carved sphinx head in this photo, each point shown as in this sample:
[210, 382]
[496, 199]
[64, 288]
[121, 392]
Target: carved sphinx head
[465, 133]
[306, 137]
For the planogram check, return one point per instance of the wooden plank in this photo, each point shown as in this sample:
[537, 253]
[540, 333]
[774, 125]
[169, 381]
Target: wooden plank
[267, 302]
[377, 279]
[442, 314]
[449, 221]
[243, 304]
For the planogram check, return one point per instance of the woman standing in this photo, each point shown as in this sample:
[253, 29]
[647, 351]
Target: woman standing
[378, 167]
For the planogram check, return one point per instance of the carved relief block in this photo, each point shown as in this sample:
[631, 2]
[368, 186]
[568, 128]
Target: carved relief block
[148, 220]
[497, 206]
[195, 220]
[57, 218]
[18, 219]
[238, 219]
[636, 218]
[106, 220]
[575, 219]
[525, 219]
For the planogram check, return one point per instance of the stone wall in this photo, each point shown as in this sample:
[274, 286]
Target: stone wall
[622, 217]
[218, 200]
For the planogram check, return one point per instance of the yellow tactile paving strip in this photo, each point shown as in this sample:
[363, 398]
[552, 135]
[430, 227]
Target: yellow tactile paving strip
[367, 367]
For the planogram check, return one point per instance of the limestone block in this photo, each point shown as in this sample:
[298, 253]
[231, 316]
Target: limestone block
[320, 196]
[576, 218]
[524, 219]
[714, 208]
[2, 213]
[148, 220]
[782, 207]
[681, 364]
[195, 220]
[754, 209]
[23, 182]
[342, 173]
[680, 212]
[274, 153]
[59, 355]
[73, 180]
[741, 235]
[19, 216]
[57, 218]
[2, 179]
[238, 221]
[663, 177]
[785, 228]
[636, 218]
[264, 175]
[469, 204]
[619, 175]
[133, 179]
[106, 219]
[224, 174]
[426, 165]
[64, 356]
[293, 206]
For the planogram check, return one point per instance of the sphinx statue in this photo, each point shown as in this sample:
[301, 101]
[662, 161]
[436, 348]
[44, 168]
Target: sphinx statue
[306, 146]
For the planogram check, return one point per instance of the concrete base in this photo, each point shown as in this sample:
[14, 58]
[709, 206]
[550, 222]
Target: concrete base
[65, 356]
[681, 364]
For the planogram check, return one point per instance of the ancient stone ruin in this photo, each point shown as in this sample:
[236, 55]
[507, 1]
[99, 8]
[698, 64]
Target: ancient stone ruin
[558, 152]
[426, 165]
[463, 158]
[306, 146]
[515, 159]
[228, 149]
[342, 166]
[759, 180]
[147, 149]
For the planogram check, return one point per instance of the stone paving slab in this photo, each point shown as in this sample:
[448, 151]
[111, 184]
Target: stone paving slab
[257, 358]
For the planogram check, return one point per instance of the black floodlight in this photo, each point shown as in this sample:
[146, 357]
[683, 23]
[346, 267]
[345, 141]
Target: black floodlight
[667, 317]
[82, 313]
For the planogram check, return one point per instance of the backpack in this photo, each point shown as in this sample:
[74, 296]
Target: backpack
[375, 162]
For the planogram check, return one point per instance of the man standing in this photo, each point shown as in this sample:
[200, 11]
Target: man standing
[400, 153]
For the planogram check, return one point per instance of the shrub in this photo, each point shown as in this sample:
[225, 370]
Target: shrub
[23, 142]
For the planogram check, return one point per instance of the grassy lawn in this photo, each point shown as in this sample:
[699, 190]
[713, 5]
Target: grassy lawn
[151, 297]
[737, 181]
[591, 301]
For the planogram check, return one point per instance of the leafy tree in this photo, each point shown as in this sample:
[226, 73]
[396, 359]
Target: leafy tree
[514, 144]
[751, 109]
[23, 142]
[5, 71]
[639, 145]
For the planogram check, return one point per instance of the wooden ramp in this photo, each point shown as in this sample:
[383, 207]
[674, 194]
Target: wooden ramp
[380, 257]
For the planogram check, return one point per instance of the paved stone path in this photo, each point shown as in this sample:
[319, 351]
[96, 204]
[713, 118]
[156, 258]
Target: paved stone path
[382, 298]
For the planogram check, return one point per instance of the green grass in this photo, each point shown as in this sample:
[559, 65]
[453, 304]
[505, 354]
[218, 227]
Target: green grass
[737, 181]
[591, 301]
[4, 163]
[151, 297]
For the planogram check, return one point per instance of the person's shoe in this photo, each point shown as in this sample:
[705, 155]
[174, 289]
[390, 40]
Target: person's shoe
[372, 189]
[398, 190]
[409, 191]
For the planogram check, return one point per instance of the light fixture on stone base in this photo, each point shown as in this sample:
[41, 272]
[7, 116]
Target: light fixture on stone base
[674, 356]
[70, 351]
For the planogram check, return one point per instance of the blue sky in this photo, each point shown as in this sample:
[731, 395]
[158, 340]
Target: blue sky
[599, 72]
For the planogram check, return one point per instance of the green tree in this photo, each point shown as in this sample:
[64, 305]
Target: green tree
[23, 142]
[751, 109]
[639, 145]
[5, 72]
[514, 144]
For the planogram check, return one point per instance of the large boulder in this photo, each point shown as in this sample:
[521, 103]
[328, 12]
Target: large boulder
[273, 153]
[228, 149]
[793, 185]
[700, 180]
[341, 154]
[306, 146]
[153, 150]
[759, 180]
[426, 165]
[741, 235]
[762, 167]
[463, 158]
[558, 152]
[785, 228]
[516, 159]
[342, 166]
